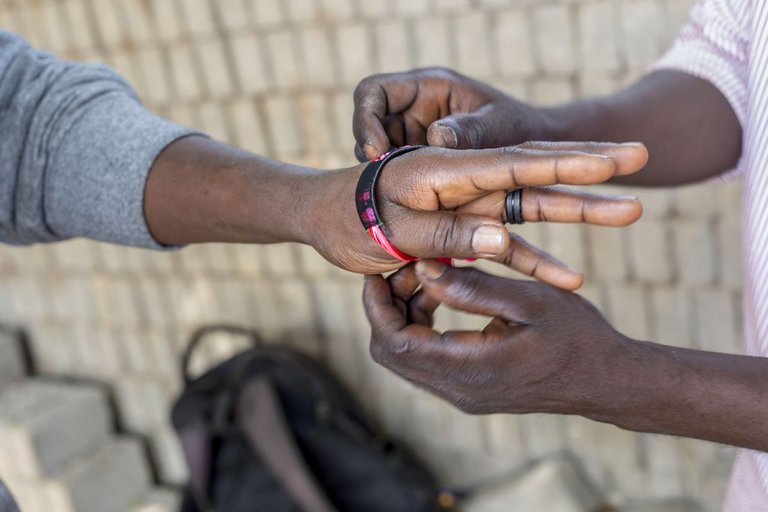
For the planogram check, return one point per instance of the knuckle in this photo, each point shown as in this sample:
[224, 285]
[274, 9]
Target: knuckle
[513, 152]
[379, 352]
[367, 84]
[361, 88]
[478, 129]
[525, 146]
[511, 258]
[385, 351]
[446, 234]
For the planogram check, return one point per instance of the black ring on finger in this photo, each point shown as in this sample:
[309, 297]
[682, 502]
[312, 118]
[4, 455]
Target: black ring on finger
[514, 207]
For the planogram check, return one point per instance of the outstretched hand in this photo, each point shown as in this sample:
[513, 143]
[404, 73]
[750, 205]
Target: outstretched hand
[436, 202]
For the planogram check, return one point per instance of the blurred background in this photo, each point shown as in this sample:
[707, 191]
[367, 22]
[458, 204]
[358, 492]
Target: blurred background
[276, 77]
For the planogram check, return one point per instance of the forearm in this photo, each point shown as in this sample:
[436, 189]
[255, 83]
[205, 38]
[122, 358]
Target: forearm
[77, 146]
[689, 393]
[688, 126]
[200, 190]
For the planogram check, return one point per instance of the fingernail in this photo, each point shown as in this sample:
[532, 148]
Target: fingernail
[430, 269]
[488, 240]
[450, 140]
[370, 151]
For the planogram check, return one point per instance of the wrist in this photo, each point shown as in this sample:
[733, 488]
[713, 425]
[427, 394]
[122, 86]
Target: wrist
[595, 382]
[329, 211]
[293, 193]
[643, 380]
[560, 123]
[575, 121]
[322, 194]
[690, 393]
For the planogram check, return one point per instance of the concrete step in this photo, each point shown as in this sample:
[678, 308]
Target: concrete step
[43, 425]
[115, 478]
[12, 366]
[555, 484]
[160, 500]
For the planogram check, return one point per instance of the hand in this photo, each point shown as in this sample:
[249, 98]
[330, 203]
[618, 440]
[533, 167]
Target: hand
[438, 107]
[545, 350]
[442, 203]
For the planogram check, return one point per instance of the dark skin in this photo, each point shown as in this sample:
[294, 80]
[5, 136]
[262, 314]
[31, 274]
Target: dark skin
[689, 128]
[434, 202]
[547, 351]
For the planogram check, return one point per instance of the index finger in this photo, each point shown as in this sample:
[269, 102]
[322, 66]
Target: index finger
[376, 97]
[409, 349]
[387, 321]
[630, 157]
[402, 347]
[476, 172]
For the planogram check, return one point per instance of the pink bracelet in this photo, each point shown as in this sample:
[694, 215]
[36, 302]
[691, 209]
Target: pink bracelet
[365, 203]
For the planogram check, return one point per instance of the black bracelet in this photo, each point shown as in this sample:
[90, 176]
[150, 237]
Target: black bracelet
[365, 194]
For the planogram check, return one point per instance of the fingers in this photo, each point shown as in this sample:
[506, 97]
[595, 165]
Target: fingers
[473, 291]
[380, 306]
[559, 205]
[414, 351]
[533, 262]
[419, 307]
[359, 154]
[517, 254]
[445, 234]
[533, 167]
[461, 176]
[375, 98]
[404, 282]
[629, 157]
[422, 307]
[368, 119]
[552, 204]
[390, 331]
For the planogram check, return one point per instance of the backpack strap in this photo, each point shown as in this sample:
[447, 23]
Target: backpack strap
[204, 331]
[266, 429]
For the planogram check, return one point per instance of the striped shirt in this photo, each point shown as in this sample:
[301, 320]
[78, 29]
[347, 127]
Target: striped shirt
[726, 43]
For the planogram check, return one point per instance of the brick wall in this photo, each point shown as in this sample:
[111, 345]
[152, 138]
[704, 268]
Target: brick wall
[276, 77]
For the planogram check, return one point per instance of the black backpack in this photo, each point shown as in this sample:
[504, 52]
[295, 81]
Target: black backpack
[272, 430]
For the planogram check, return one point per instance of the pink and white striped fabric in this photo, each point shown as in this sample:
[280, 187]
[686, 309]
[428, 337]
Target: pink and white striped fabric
[726, 43]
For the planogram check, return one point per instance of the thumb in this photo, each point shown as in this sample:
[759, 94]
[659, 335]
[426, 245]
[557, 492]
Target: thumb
[464, 131]
[446, 234]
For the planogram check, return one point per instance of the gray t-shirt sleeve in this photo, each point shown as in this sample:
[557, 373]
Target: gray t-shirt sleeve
[76, 147]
